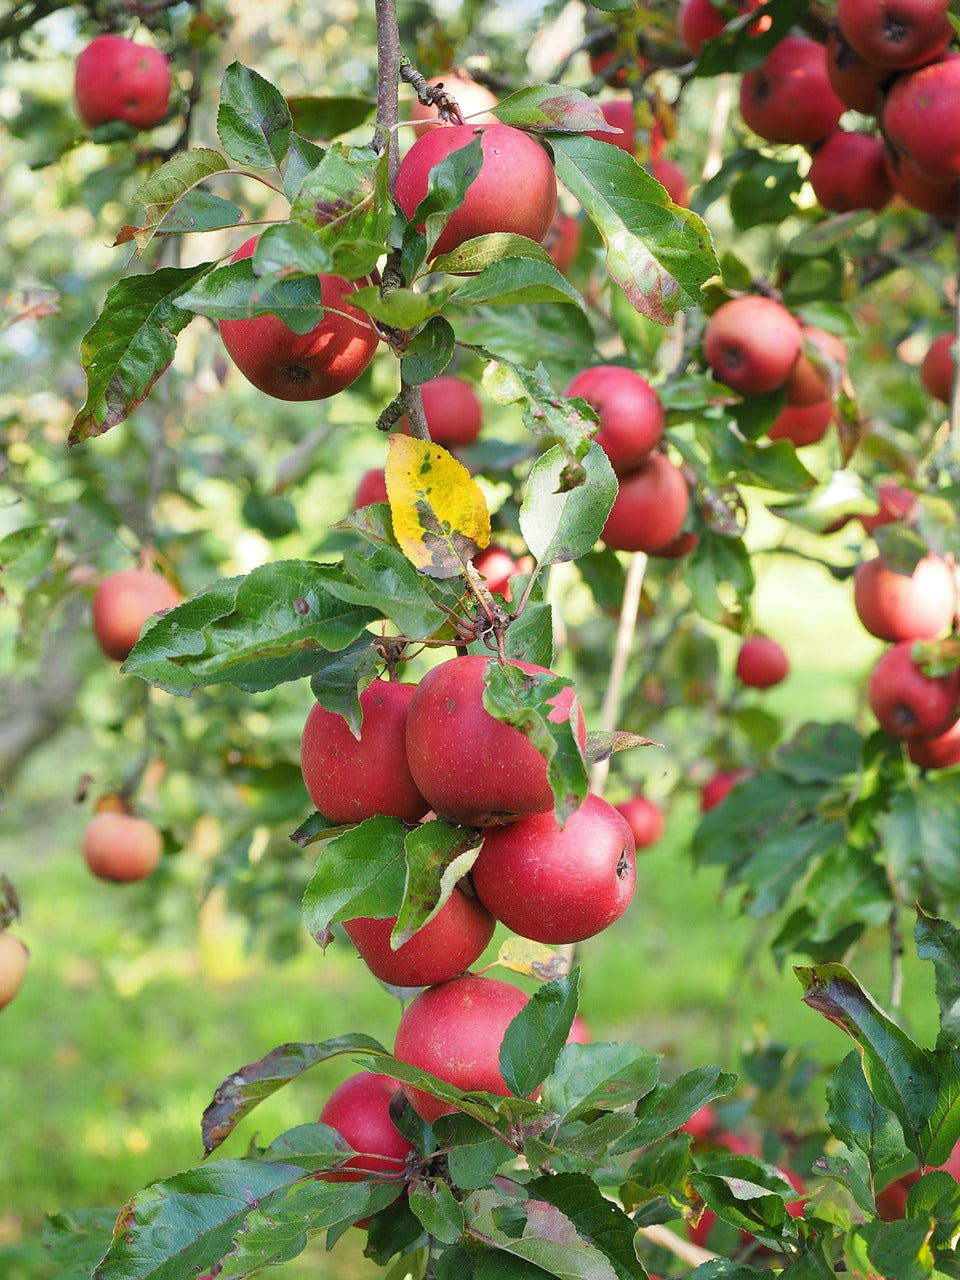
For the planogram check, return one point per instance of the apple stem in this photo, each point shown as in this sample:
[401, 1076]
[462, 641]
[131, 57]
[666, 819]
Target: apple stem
[626, 627]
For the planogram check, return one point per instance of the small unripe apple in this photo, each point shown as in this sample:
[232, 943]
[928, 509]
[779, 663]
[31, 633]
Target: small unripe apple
[471, 767]
[359, 1110]
[123, 602]
[562, 240]
[496, 200]
[452, 411]
[942, 752]
[474, 100]
[631, 415]
[920, 120]
[789, 98]
[761, 663]
[752, 343]
[351, 779]
[302, 366]
[895, 502]
[454, 1031]
[644, 818]
[849, 171]
[13, 966]
[452, 941]
[118, 79]
[856, 82]
[716, 789]
[650, 508]
[121, 847]
[700, 20]
[895, 33]
[900, 606]
[908, 703]
[555, 885]
[372, 488]
[937, 368]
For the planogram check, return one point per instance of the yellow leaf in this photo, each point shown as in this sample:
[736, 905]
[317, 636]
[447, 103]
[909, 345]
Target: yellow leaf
[532, 959]
[440, 516]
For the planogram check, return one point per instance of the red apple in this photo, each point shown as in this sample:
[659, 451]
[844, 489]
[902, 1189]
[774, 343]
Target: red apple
[908, 703]
[350, 779]
[359, 1110]
[717, 788]
[472, 768]
[448, 945]
[558, 886]
[454, 1031]
[452, 411]
[921, 122]
[789, 98]
[849, 171]
[118, 79]
[672, 178]
[937, 368]
[644, 818]
[802, 424]
[650, 508]
[857, 83]
[123, 602]
[899, 606]
[761, 663]
[474, 100]
[13, 966]
[372, 488]
[752, 343]
[497, 566]
[302, 366]
[895, 33]
[579, 1031]
[700, 20]
[618, 112]
[703, 1124]
[941, 199]
[937, 753]
[631, 415]
[895, 502]
[118, 846]
[496, 199]
[562, 240]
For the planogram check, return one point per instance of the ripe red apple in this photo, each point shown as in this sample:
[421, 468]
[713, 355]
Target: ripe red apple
[700, 20]
[302, 366]
[895, 502]
[761, 663]
[497, 566]
[351, 779]
[672, 178]
[121, 847]
[474, 100]
[857, 83]
[716, 789]
[921, 122]
[899, 606]
[644, 818]
[372, 488]
[471, 767]
[895, 33]
[558, 886]
[631, 415]
[941, 199]
[448, 945]
[618, 112]
[454, 1031]
[704, 1124]
[752, 343]
[13, 966]
[849, 171]
[118, 79]
[937, 368]
[359, 1110]
[562, 240]
[936, 753]
[579, 1031]
[496, 200]
[789, 97]
[802, 423]
[452, 411]
[123, 602]
[908, 703]
[650, 508]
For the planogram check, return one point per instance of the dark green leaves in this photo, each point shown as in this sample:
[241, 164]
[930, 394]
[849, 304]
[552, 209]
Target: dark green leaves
[360, 873]
[253, 122]
[536, 1035]
[939, 941]
[168, 186]
[344, 202]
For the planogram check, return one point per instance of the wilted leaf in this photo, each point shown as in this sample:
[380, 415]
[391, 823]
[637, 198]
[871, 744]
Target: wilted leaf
[552, 108]
[532, 959]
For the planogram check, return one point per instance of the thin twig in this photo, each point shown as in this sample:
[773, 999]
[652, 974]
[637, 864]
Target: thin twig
[388, 81]
[896, 962]
[692, 1254]
[626, 627]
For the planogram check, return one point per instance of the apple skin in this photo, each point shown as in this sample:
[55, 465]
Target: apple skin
[856, 82]
[14, 959]
[716, 789]
[121, 847]
[672, 178]
[650, 508]
[123, 602]
[579, 1031]
[372, 488]
[941, 199]
[497, 566]
[631, 415]
[562, 241]
[644, 818]
[474, 100]
[302, 366]
[359, 1110]
[849, 171]
[789, 98]
[559, 886]
[752, 343]
[118, 79]
[452, 411]
[452, 941]
[350, 779]
[895, 502]
[921, 122]
[761, 663]
[899, 606]
[495, 200]
[454, 1031]
[802, 424]
[472, 768]
[937, 368]
[942, 752]
[809, 410]
[618, 112]
[698, 21]
[895, 33]
[907, 703]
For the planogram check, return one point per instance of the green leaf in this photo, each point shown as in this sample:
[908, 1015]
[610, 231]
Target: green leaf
[939, 942]
[517, 280]
[318, 116]
[403, 308]
[740, 46]
[438, 1211]
[474, 1154]
[302, 158]
[406, 597]
[519, 698]
[359, 873]
[821, 753]
[289, 249]
[921, 835]
[168, 186]
[552, 108]
[74, 1242]
[550, 334]
[560, 525]
[254, 632]
[544, 411]
[549, 1240]
[253, 121]
[858, 1120]
[749, 1194]
[899, 1073]
[942, 1131]
[429, 352]
[314, 1147]
[659, 254]
[719, 573]
[535, 1037]
[482, 251]
[131, 344]
[437, 856]
[668, 1106]
[768, 466]
[896, 1249]
[236, 292]
[340, 677]
[596, 1218]
[245, 1089]
[765, 192]
[602, 1077]
[447, 186]
[345, 204]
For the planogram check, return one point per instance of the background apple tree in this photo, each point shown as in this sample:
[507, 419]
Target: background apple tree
[130, 440]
